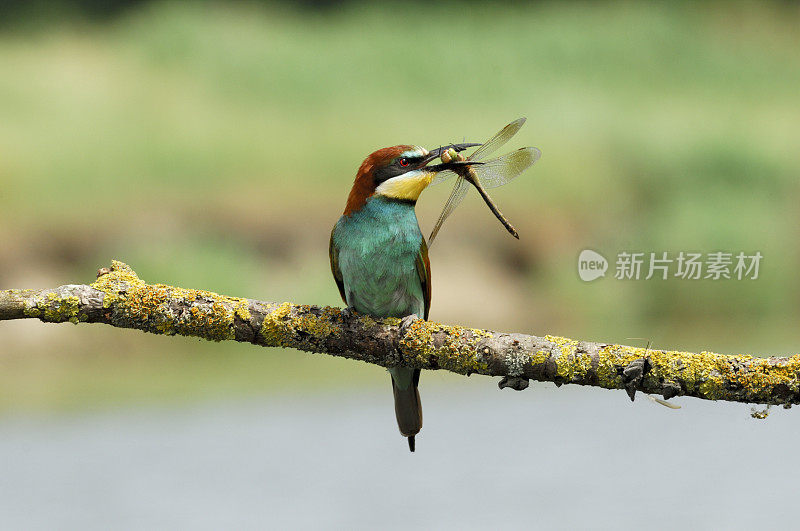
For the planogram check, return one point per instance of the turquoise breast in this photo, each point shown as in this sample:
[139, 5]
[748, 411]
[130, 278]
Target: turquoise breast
[378, 248]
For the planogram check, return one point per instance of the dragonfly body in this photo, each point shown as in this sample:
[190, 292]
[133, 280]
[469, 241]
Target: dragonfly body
[467, 173]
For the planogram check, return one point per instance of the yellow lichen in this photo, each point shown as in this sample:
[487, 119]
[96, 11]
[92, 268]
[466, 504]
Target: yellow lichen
[459, 350]
[319, 326]
[706, 374]
[367, 321]
[121, 274]
[242, 309]
[210, 315]
[55, 309]
[281, 326]
[570, 364]
[272, 330]
[30, 309]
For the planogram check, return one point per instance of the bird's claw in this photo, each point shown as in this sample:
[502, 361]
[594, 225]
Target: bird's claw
[407, 321]
[348, 312]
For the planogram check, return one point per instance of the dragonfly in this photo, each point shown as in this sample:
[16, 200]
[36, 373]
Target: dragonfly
[484, 175]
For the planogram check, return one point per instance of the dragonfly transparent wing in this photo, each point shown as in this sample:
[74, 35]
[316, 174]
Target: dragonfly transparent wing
[497, 141]
[487, 148]
[502, 170]
[456, 196]
[442, 176]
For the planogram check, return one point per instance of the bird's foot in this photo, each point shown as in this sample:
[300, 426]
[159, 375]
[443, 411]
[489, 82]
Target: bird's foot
[407, 321]
[348, 312]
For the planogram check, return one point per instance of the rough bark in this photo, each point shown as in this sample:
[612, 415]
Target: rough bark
[119, 298]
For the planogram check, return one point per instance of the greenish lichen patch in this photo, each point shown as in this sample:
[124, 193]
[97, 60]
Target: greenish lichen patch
[706, 374]
[515, 362]
[52, 308]
[273, 331]
[366, 321]
[300, 326]
[162, 309]
[120, 277]
[452, 348]
[31, 309]
[572, 365]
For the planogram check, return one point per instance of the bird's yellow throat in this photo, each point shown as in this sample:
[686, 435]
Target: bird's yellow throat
[407, 186]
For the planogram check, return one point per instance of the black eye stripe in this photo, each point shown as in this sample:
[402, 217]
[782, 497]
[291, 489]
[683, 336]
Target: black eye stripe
[395, 168]
[387, 172]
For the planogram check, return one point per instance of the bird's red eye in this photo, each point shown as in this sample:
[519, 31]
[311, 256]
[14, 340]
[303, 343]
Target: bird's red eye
[403, 162]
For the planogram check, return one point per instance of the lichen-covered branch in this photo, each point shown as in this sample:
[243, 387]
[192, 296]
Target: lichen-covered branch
[119, 298]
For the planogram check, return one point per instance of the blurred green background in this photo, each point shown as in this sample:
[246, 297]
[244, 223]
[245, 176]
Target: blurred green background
[213, 146]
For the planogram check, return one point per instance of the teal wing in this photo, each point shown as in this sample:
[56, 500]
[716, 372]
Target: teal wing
[424, 272]
[333, 251]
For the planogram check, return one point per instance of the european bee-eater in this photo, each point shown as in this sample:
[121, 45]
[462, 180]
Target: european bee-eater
[379, 257]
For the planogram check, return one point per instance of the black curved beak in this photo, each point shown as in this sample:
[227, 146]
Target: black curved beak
[436, 153]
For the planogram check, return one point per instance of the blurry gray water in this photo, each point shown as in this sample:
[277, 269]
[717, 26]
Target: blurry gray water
[544, 458]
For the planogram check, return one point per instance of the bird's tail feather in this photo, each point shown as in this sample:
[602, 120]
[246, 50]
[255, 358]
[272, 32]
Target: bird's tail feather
[407, 405]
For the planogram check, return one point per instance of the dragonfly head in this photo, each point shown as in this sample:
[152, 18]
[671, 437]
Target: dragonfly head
[436, 153]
